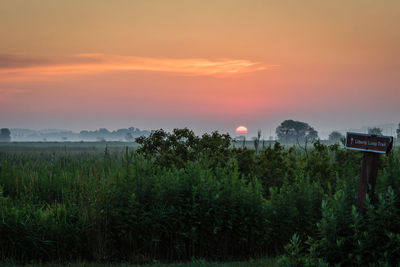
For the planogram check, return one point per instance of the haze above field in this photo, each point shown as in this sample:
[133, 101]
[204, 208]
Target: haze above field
[206, 65]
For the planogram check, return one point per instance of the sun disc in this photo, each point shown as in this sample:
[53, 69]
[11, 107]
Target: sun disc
[241, 129]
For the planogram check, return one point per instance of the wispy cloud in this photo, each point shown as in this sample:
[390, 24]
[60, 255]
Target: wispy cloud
[27, 68]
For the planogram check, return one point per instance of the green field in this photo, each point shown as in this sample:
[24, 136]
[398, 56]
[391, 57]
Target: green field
[63, 146]
[177, 198]
[194, 263]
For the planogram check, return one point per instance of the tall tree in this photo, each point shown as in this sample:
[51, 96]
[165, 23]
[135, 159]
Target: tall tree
[398, 132]
[335, 137]
[290, 131]
[5, 135]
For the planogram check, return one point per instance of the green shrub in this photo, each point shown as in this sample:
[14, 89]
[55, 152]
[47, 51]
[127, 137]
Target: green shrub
[294, 208]
[349, 238]
[273, 165]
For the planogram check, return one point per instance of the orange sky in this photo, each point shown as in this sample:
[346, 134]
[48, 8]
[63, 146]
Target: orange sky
[202, 64]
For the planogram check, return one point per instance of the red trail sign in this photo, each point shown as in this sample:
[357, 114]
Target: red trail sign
[372, 145]
[369, 143]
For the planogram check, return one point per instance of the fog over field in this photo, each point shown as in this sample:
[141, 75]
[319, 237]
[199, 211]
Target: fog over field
[129, 134]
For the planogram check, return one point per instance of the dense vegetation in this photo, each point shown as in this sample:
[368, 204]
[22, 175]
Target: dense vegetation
[180, 197]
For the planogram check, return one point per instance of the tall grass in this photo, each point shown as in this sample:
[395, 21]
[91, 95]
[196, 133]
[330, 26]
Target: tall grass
[121, 206]
[215, 203]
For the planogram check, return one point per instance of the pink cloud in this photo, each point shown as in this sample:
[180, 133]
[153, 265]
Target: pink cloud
[16, 69]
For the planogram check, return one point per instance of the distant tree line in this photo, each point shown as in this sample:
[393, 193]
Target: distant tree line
[300, 133]
[288, 132]
[121, 134]
[101, 134]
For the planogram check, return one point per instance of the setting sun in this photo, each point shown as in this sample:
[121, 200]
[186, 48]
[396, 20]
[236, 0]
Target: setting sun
[241, 129]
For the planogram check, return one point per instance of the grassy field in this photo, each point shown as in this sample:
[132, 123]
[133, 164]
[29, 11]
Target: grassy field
[85, 146]
[169, 200]
[195, 263]
[63, 146]
[100, 146]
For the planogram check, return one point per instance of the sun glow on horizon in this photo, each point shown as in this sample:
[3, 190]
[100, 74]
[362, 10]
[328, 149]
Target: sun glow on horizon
[241, 129]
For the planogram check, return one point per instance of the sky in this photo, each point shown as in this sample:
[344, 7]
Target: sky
[207, 65]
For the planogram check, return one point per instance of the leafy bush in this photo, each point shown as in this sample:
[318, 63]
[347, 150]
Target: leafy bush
[182, 145]
[349, 238]
[273, 165]
[319, 166]
[294, 208]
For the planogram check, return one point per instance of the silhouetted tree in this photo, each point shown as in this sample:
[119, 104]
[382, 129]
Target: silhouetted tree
[375, 130]
[290, 131]
[335, 137]
[5, 135]
[182, 145]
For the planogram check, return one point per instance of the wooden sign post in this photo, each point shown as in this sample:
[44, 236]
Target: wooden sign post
[372, 146]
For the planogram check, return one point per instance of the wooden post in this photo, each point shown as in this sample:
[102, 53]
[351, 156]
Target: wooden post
[372, 145]
[369, 172]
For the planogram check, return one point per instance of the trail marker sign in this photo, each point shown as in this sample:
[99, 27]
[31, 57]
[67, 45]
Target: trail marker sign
[369, 142]
[372, 146]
